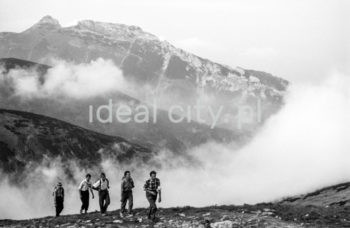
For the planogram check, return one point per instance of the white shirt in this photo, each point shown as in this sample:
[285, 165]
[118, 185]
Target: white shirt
[103, 184]
[84, 185]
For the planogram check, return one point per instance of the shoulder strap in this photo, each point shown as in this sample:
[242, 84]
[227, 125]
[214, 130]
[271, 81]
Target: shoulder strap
[107, 183]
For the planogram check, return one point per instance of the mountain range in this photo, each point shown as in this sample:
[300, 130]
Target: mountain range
[145, 61]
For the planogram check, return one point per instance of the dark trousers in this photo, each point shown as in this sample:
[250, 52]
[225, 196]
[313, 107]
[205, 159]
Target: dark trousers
[84, 200]
[58, 205]
[126, 196]
[152, 199]
[104, 200]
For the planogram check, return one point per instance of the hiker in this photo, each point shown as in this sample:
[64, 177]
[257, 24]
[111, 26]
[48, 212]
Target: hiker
[152, 188]
[58, 194]
[126, 193]
[84, 188]
[102, 186]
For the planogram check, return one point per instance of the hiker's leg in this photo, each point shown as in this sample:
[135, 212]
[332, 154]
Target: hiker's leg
[87, 201]
[62, 206]
[108, 200]
[131, 202]
[154, 206]
[59, 207]
[83, 200]
[56, 206]
[101, 200]
[85, 197]
[123, 202]
[150, 208]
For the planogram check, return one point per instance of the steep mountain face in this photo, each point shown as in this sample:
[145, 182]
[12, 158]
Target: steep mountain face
[28, 139]
[162, 134]
[145, 59]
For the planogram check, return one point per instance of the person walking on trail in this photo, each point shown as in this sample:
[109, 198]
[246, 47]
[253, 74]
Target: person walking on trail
[58, 194]
[102, 186]
[126, 193]
[152, 188]
[84, 188]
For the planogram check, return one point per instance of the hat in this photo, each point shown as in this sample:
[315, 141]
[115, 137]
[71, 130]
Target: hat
[59, 184]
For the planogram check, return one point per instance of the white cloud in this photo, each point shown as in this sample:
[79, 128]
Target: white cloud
[303, 147]
[71, 80]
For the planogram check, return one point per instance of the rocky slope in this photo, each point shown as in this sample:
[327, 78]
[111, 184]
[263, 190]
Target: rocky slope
[260, 216]
[214, 217]
[27, 139]
[337, 195]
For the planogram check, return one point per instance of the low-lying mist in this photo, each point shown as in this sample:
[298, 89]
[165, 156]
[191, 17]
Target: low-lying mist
[303, 147]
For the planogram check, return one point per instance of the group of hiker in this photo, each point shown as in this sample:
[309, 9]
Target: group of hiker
[151, 187]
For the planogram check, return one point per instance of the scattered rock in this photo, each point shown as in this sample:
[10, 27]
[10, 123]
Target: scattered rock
[223, 224]
[225, 217]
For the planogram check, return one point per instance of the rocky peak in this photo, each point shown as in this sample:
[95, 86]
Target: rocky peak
[49, 20]
[113, 29]
[46, 22]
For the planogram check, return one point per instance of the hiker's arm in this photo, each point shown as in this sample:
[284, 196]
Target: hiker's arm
[92, 193]
[79, 188]
[122, 188]
[146, 188]
[95, 186]
[160, 195]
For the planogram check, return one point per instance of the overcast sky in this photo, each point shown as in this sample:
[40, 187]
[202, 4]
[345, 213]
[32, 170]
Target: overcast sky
[300, 40]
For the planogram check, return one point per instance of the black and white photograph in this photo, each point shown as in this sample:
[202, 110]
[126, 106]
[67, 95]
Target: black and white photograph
[175, 113]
